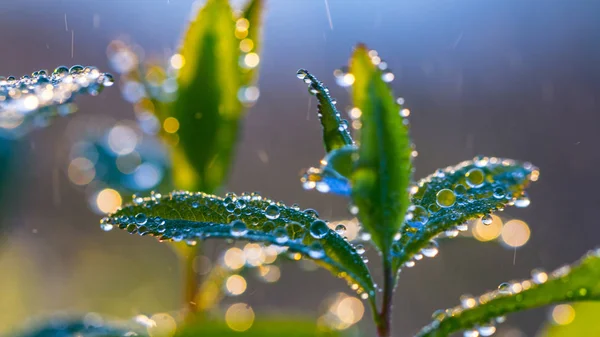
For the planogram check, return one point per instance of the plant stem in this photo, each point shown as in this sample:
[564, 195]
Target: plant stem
[384, 319]
[191, 284]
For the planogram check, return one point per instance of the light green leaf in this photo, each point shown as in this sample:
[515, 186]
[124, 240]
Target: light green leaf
[33, 101]
[382, 173]
[335, 129]
[578, 319]
[251, 43]
[261, 327]
[185, 216]
[566, 284]
[450, 197]
[206, 106]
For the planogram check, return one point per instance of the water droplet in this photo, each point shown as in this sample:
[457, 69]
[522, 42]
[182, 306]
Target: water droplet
[467, 301]
[431, 250]
[522, 201]
[451, 233]
[475, 177]
[301, 74]
[460, 189]
[106, 227]
[195, 204]
[238, 228]
[397, 236]
[340, 229]
[311, 212]
[272, 212]
[445, 198]
[360, 249]
[487, 330]
[353, 209]
[499, 193]
[504, 288]
[76, 69]
[319, 229]
[409, 264]
[417, 216]
[487, 219]
[434, 208]
[140, 219]
[471, 333]
[281, 235]
[315, 250]
[538, 276]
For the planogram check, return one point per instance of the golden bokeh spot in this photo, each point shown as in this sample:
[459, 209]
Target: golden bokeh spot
[171, 125]
[108, 200]
[246, 45]
[515, 233]
[235, 285]
[563, 314]
[489, 232]
[239, 317]
[251, 60]
[177, 61]
[270, 274]
[81, 171]
[234, 258]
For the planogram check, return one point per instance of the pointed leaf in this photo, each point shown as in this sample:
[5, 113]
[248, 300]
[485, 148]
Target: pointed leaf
[32, 101]
[452, 196]
[382, 174]
[185, 216]
[335, 129]
[250, 41]
[566, 284]
[332, 176]
[207, 107]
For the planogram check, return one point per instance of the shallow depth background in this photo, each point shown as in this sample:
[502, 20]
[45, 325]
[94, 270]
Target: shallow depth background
[503, 78]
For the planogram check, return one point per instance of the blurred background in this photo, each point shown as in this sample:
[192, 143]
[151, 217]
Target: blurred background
[501, 78]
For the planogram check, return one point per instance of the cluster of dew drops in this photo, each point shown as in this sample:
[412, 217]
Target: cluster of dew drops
[235, 206]
[538, 277]
[475, 178]
[44, 94]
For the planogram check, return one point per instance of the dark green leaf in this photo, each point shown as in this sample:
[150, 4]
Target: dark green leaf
[332, 176]
[566, 284]
[450, 197]
[335, 129]
[382, 173]
[33, 101]
[206, 105]
[185, 216]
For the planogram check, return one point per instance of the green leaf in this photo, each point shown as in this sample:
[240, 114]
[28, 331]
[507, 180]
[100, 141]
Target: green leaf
[382, 173]
[185, 216]
[584, 317]
[467, 191]
[578, 282]
[33, 101]
[335, 129]
[332, 176]
[206, 106]
[253, 14]
[261, 327]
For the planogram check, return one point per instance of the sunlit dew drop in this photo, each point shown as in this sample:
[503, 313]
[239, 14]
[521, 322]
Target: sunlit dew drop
[499, 193]
[311, 212]
[445, 198]
[539, 276]
[504, 288]
[487, 219]
[76, 69]
[417, 216]
[319, 229]
[460, 189]
[141, 219]
[106, 227]
[522, 201]
[451, 233]
[431, 250]
[281, 235]
[238, 228]
[387, 76]
[475, 177]
[487, 330]
[340, 229]
[467, 301]
[272, 212]
[353, 209]
[471, 333]
[301, 74]
[315, 250]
